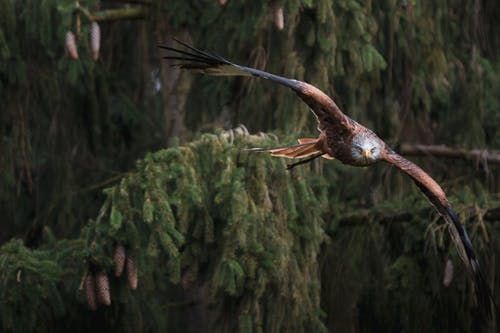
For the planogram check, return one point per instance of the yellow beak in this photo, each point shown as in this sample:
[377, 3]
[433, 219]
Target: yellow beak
[366, 153]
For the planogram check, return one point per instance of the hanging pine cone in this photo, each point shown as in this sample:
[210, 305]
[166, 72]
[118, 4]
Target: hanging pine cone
[279, 20]
[132, 272]
[448, 273]
[90, 292]
[120, 257]
[222, 2]
[95, 40]
[102, 288]
[70, 46]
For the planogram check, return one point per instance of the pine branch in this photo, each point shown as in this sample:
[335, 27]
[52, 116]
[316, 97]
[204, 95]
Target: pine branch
[480, 156]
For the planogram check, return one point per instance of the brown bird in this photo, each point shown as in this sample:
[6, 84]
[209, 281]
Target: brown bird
[349, 142]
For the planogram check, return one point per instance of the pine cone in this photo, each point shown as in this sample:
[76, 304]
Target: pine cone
[70, 46]
[90, 292]
[120, 257]
[448, 273]
[222, 2]
[132, 272]
[95, 40]
[279, 20]
[102, 288]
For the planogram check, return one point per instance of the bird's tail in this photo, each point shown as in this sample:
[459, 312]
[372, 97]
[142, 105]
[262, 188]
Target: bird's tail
[305, 148]
[204, 62]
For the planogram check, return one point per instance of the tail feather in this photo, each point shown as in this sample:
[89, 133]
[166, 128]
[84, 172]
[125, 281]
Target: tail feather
[305, 148]
[307, 151]
[293, 152]
[305, 140]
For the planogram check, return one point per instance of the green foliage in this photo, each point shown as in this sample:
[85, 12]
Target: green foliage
[62, 121]
[389, 64]
[244, 238]
[184, 198]
[382, 268]
[411, 71]
[36, 285]
[249, 239]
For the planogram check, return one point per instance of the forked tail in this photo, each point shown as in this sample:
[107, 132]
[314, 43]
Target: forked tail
[303, 149]
[307, 147]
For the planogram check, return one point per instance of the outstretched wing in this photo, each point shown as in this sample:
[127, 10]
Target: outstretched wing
[327, 112]
[437, 197]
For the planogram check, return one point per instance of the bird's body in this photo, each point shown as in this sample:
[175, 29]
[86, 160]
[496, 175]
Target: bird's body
[362, 149]
[347, 141]
[344, 139]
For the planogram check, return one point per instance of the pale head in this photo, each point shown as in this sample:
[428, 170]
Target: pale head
[366, 148]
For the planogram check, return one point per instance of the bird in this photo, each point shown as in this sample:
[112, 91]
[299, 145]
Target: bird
[347, 141]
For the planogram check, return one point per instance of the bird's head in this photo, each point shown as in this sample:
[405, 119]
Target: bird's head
[366, 148]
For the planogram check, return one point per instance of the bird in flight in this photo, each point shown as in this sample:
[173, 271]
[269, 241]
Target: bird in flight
[346, 140]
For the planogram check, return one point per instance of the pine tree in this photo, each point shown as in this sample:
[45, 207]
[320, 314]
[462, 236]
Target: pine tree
[215, 234]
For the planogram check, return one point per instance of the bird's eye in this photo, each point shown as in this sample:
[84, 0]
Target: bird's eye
[373, 149]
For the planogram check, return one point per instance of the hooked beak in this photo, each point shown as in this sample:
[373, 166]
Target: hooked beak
[366, 154]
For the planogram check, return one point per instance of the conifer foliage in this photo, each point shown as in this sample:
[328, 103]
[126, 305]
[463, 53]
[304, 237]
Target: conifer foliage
[209, 231]
[204, 236]
[206, 211]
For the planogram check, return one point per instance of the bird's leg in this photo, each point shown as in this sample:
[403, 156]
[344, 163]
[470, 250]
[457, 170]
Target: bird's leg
[293, 165]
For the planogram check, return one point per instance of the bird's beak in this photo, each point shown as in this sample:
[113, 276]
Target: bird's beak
[366, 153]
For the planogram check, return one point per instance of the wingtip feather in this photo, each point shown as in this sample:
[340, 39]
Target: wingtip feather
[484, 295]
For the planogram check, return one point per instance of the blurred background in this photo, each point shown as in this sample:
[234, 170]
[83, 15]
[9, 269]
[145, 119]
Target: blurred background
[104, 144]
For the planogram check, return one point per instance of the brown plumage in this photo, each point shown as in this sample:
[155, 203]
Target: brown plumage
[344, 139]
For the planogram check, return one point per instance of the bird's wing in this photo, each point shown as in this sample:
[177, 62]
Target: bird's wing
[437, 197]
[327, 112]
